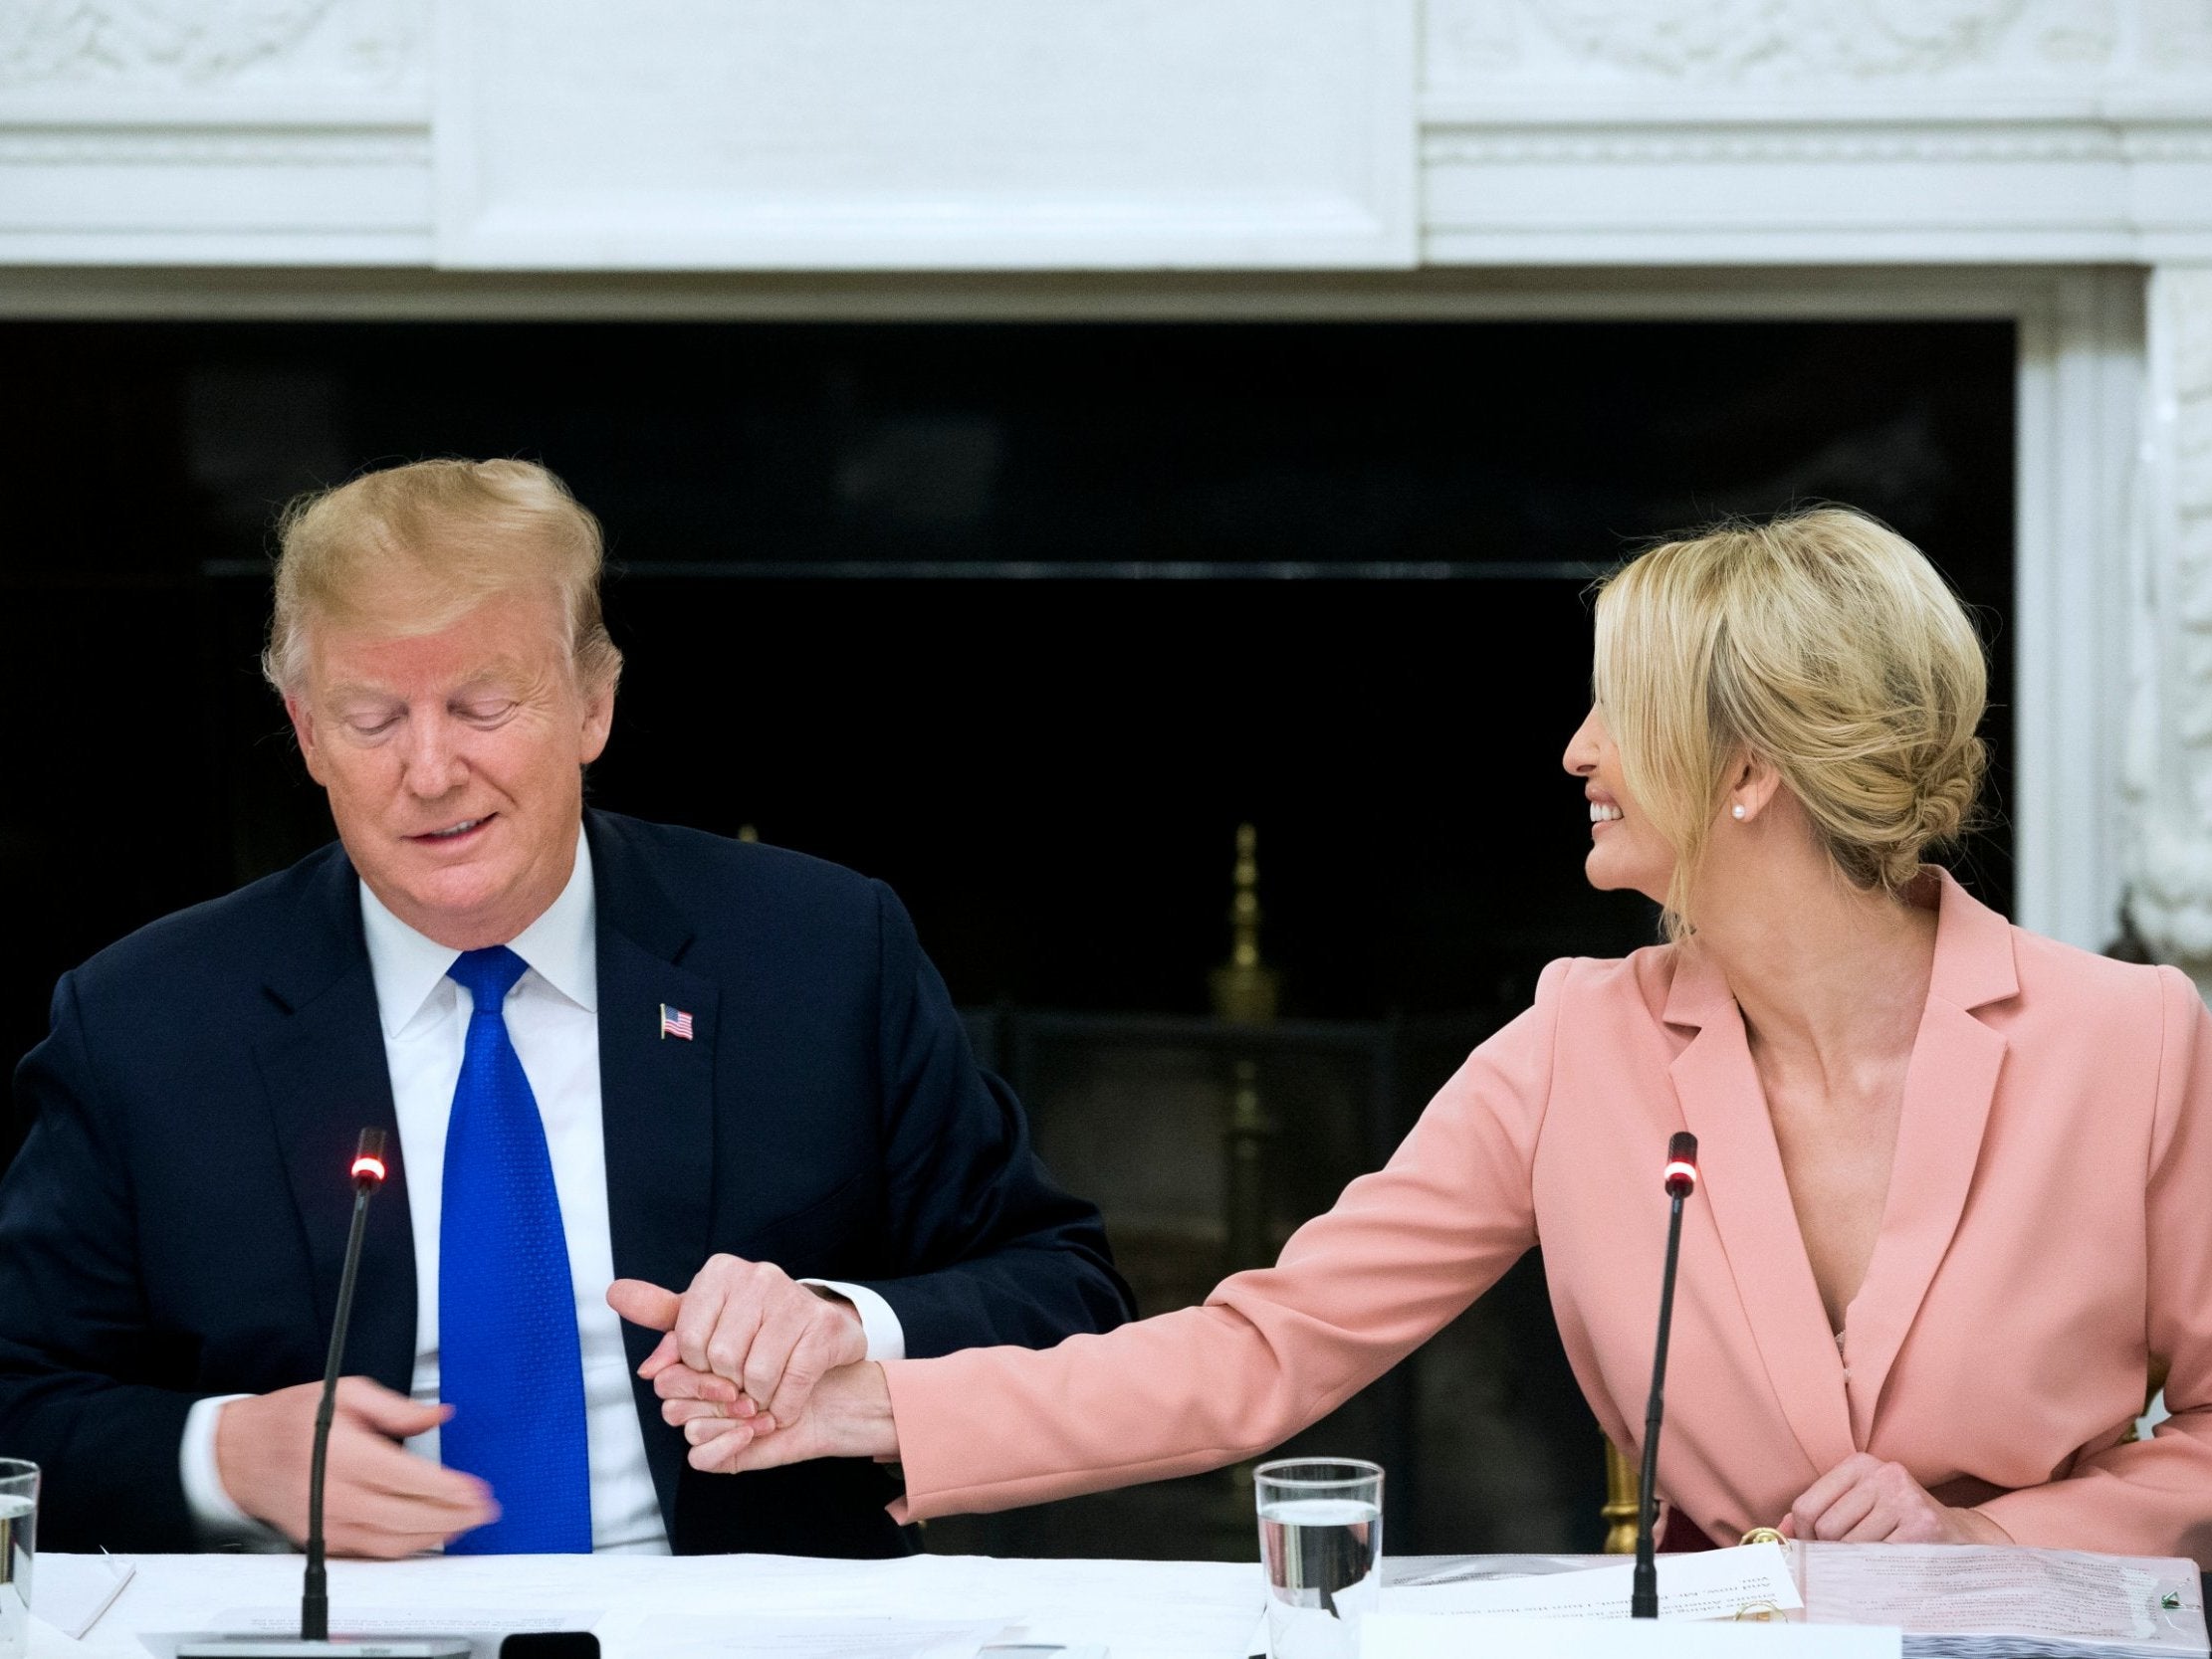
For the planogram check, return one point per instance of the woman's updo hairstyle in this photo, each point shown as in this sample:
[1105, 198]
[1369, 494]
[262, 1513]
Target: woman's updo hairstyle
[1821, 643]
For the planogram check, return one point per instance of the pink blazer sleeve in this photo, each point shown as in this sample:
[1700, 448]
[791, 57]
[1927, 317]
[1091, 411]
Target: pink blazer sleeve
[1401, 1254]
[2139, 1498]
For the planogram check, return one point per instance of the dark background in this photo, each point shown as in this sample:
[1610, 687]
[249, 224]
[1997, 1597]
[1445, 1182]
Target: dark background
[1335, 585]
[1047, 770]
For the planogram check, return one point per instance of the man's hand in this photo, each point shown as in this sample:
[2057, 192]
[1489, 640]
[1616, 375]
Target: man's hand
[378, 1498]
[1863, 1500]
[748, 1321]
[849, 1417]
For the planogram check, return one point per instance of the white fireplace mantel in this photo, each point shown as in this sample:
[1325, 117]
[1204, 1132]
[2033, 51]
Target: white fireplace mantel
[1104, 134]
[2046, 160]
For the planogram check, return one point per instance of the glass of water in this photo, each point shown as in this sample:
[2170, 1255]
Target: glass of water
[1321, 1543]
[19, 1516]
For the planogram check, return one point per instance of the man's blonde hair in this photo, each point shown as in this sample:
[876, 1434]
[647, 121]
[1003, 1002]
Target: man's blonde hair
[1820, 642]
[413, 548]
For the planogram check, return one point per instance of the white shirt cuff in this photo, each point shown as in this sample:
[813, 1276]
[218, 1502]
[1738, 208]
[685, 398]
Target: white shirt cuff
[886, 1336]
[220, 1520]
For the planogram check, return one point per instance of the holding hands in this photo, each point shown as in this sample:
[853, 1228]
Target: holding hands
[759, 1369]
[848, 1416]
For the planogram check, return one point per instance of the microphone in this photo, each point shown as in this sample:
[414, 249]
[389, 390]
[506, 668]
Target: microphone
[1680, 1177]
[313, 1640]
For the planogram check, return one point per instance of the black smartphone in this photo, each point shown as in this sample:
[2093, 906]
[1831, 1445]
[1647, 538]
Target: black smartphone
[550, 1644]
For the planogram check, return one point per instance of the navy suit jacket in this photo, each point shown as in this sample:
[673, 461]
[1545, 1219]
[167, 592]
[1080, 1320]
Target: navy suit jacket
[174, 1224]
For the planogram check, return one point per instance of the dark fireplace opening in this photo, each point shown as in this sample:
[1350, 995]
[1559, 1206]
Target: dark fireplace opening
[1027, 619]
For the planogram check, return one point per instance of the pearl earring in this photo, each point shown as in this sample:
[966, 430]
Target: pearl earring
[1739, 812]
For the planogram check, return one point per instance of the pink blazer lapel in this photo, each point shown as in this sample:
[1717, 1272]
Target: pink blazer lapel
[1948, 1088]
[1744, 1187]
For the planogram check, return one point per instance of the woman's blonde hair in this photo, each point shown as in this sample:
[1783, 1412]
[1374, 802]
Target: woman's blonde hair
[413, 548]
[1821, 643]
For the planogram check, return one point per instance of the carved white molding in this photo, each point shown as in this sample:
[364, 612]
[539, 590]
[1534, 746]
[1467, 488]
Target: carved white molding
[214, 52]
[1703, 132]
[1118, 133]
[1817, 37]
[2169, 753]
[171, 148]
[1874, 45]
[1773, 145]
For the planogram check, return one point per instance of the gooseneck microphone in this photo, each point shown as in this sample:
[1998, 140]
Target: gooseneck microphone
[313, 1640]
[1681, 1181]
[368, 1175]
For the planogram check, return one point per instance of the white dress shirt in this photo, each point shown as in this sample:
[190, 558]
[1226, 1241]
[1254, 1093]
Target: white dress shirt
[552, 1016]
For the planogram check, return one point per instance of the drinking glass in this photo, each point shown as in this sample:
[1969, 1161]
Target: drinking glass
[1321, 1544]
[19, 1519]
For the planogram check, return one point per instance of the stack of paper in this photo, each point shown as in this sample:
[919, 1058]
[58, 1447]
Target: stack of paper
[1962, 1600]
[1994, 1604]
[1715, 1584]
[1389, 1635]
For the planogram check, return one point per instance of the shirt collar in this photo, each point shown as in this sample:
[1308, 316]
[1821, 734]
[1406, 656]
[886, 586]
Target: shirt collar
[560, 947]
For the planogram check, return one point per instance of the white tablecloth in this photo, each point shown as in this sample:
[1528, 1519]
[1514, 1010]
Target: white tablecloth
[1138, 1609]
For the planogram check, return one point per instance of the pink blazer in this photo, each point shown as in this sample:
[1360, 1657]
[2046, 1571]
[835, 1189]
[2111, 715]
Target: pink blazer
[2048, 1231]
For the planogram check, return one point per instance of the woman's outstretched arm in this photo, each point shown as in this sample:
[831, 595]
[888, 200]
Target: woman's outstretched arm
[1398, 1256]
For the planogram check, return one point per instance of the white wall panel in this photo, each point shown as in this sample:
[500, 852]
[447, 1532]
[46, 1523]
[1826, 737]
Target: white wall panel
[843, 133]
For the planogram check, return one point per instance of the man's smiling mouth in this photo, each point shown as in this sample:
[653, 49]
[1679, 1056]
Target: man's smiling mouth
[455, 831]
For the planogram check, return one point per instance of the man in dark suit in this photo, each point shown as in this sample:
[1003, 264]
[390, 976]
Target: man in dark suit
[600, 1048]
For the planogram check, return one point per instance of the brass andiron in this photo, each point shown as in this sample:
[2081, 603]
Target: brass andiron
[1245, 993]
[1623, 1498]
[1245, 987]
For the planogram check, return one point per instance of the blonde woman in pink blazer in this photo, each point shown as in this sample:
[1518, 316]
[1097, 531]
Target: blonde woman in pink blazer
[1957, 1195]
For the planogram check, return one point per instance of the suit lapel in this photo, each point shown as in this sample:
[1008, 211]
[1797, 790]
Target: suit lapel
[657, 1104]
[1950, 1085]
[326, 1078]
[1725, 1108]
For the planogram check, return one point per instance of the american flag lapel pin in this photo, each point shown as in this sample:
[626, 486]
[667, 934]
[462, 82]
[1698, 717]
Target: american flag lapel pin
[675, 1022]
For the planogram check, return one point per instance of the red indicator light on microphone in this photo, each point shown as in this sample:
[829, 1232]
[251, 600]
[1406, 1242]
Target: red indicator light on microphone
[368, 1159]
[1682, 1164]
[368, 1169]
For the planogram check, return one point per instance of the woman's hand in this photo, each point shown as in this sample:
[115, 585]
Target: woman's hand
[751, 1322]
[849, 1415]
[1863, 1500]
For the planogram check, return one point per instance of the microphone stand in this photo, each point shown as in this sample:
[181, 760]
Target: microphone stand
[313, 1640]
[315, 1596]
[1681, 1180]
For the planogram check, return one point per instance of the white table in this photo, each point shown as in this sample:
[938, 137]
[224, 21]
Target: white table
[1139, 1609]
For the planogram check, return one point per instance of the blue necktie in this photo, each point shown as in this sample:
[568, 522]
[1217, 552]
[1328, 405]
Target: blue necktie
[508, 1363]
